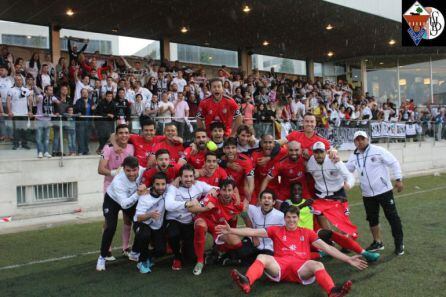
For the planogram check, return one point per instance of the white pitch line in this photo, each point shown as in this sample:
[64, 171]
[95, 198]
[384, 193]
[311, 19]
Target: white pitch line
[97, 252]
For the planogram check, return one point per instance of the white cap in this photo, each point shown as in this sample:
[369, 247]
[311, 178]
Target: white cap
[319, 146]
[360, 133]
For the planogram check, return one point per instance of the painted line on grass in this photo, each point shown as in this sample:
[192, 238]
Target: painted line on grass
[116, 248]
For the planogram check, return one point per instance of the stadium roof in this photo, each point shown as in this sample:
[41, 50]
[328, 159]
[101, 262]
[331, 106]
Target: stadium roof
[293, 28]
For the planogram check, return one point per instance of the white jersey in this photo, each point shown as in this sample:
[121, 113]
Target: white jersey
[175, 205]
[147, 203]
[329, 177]
[123, 191]
[19, 100]
[372, 167]
[261, 220]
[6, 83]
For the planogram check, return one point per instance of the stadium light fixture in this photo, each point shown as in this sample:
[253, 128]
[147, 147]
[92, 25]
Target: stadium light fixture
[392, 42]
[265, 43]
[329, 27]
[69, 12]
[330, 54]
[246, 9]
[184, 30]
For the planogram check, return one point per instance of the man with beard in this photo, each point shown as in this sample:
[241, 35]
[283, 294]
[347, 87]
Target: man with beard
[149, 218]
[211, 173]
[219, 108]
[291, 170]
[223, 206]
[240, 168]
[195, 154]
[262, 168]
[163, 164]
[180, 228]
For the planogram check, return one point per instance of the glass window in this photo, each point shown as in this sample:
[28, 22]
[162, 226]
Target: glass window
[382, 79]
[24, 35]
[203, 55]
[283, 65]
[108, 44]
[439, 78]
[415, 79]
[318, 69]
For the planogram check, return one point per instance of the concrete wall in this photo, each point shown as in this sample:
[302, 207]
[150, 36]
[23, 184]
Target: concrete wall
[415, 158]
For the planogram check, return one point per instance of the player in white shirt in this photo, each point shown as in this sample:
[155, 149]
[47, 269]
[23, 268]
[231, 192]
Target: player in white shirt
[120, 195]
[149, 219]
[179, 221]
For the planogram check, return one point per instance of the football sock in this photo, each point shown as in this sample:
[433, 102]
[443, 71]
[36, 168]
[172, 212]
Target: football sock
[324, 280]
[255, 271]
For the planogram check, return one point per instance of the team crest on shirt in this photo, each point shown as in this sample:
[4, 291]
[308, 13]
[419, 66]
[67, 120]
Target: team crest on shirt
[284, 238]
[302, 238]
[211, 112]
[224, 110]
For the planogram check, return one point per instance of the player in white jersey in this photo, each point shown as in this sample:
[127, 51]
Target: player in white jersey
[120, 195]
[179, 224]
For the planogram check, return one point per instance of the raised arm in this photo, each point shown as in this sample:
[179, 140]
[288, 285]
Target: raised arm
[250, 232]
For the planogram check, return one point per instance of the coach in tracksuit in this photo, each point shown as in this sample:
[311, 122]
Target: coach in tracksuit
[372, 162]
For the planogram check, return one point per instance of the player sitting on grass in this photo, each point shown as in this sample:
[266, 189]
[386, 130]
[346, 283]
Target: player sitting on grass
[306, 221]
[292, 257]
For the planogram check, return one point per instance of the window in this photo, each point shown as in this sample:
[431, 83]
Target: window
[318, 69]
[203, 55]
[58, 192]
[283, 65]
[107, 44]
[24, 35]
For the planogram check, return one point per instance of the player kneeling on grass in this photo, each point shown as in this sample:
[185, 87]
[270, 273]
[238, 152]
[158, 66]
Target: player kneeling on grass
[329, 236]
[149, 218]
[120, 195]
[292, 256]
[214, 210]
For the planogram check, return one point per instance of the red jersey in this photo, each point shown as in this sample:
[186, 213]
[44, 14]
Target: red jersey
[144, 148]
[305, 142]
[290, 172]
[224, 111]
[172, 173]
[197, 160]
[214, 179]
[261, 171]
[176, 150]
[221, 212]
[295, 243]
[239, 176]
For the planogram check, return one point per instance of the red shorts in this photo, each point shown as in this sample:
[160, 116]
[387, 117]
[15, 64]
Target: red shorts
[211, 228]
[289, 270]
[336, 213]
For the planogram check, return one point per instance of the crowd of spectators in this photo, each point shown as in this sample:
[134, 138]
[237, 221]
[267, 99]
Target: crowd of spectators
[34, 91]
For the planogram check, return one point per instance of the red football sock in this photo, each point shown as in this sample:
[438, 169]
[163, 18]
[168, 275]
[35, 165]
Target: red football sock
[255, 271]
[346, 242]
[324, 280]
[199, 242]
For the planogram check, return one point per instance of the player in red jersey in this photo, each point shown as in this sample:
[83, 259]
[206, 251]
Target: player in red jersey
[144, 144]
[262, 168]
[218, 108]
[163, 164]
[307, 137]
[196, 153]
[292, 257]
[290, 170]
[211, 173]
[171, 143]
[212, 211]
[239, 167]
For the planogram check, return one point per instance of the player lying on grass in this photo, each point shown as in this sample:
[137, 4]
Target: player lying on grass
[292, 256]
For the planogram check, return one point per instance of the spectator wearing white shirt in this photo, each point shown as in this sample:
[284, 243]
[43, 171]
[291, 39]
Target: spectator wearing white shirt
[298, 109]
[165, 111]
[6, 83]
[33, 65]
[146, 94]
[80, 85]
[19, 109]
[180, 81]
[181, 113]
[110, 86]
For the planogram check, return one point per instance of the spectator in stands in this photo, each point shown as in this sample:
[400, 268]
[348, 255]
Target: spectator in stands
[165, 111]
[83, 107]
[181, 113]
[138, 107]
[44, 78]
[73, 52]
[6, 83]
[33, 65]
[105, 126]
[45, 110]
[122, 107]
